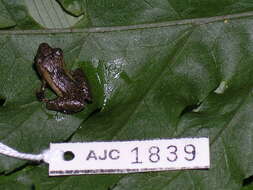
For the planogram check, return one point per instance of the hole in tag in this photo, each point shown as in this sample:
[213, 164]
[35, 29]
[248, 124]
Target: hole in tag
[68, 156]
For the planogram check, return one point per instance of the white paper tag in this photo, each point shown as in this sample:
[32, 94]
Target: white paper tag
[129, 156]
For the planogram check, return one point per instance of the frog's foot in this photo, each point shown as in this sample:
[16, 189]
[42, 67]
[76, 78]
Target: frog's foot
[65, 105]
[78, 75]
[41, 92]
[88, 99]
[41, 96]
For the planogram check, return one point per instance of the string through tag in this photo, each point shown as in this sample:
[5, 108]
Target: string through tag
[8, 151]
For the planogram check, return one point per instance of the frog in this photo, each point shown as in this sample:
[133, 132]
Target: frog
[71, 87]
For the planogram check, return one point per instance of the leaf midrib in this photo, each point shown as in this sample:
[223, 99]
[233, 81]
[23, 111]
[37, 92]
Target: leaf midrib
[195, 21]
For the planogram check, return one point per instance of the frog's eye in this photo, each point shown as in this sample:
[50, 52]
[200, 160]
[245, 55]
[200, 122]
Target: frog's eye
[58, 52]
[38, 60]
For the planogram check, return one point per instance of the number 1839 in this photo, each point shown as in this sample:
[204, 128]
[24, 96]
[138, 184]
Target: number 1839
[171, 154]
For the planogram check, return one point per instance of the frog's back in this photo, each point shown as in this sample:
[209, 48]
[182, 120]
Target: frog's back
[65, 84]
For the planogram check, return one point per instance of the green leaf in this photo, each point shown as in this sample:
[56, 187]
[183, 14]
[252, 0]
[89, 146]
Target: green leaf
[34, 14]
[49, 14]
[14, 13]
[179, 78]
[73, 6]
[5, 18]
[247, 187]
[125, 12]
[25, 123]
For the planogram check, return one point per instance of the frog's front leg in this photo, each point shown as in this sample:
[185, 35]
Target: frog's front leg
[41, 92]
[65, 105]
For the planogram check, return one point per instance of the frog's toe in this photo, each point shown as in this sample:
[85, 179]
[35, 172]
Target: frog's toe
[88, 100]
[40, 96]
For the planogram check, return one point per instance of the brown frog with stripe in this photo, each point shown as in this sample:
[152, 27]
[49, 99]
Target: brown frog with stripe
[70, 86]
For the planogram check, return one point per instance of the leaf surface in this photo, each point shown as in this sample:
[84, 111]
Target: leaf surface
[49, 14]
[172, 79]
[5, 18]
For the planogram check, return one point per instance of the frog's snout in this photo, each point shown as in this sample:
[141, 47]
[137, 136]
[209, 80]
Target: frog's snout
[44, 49]
[44, 46]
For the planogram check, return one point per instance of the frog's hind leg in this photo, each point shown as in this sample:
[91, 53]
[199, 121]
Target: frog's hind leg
[65, 105]
[80, 78]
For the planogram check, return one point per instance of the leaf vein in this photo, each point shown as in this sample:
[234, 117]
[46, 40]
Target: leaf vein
[194, 21]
